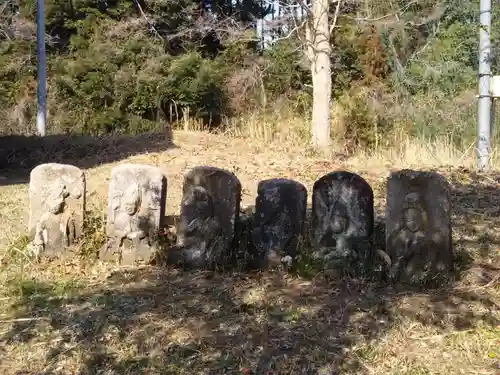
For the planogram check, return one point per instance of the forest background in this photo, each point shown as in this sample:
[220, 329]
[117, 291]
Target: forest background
[402, 71]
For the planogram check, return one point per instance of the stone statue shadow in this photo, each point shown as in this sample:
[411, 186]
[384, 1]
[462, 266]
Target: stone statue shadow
[20, 154]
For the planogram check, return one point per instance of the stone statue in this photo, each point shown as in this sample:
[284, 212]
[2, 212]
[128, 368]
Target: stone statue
[209, 210]
[334, 227]
[199, 237]
[57, 208]
[280, 208]
[342, 217]
[137, 195]
[409, 235]
[124, 221]
[418, 225]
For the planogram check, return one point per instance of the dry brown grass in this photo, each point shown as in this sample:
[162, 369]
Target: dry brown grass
[74, 317]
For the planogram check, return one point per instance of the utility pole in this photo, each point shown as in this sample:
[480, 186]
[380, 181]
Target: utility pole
[484, 103]
[41, 116]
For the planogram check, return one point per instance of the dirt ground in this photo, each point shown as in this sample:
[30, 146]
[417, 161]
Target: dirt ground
[74, 317]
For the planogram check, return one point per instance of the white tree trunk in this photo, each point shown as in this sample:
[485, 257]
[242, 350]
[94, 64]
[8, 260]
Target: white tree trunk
[319, 50]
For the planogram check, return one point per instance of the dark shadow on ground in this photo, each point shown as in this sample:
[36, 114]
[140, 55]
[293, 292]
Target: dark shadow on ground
[20, 154]
[476, 213]
[172, 322]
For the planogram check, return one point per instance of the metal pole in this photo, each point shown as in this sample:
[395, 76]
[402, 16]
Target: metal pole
[41, 116]
[484, 103]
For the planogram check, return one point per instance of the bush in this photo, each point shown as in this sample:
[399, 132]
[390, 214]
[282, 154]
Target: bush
[123, 85]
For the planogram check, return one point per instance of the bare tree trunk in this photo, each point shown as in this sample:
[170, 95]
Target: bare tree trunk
[318, 49]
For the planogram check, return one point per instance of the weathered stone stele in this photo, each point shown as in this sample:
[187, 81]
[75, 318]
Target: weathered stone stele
[57, 207]
[342, 219]
[136, 203]
[209, 209]
[418, 226]
[280, 210]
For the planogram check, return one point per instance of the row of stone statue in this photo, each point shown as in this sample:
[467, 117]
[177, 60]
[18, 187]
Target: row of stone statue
[417, 219]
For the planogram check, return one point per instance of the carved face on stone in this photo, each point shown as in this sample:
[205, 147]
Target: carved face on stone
[413, 213]
[132, 199]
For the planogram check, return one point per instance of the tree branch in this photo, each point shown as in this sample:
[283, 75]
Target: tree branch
[335, 16]
[147, 19]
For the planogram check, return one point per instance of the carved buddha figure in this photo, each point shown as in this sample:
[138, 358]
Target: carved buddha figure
[341, 228]
[55, 223]
[56, 200]
[413, 221]
[414, 216]
[335, 225]
[339, 218]
[409, 237]
[126, 206]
